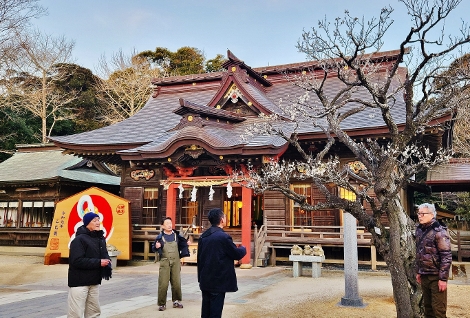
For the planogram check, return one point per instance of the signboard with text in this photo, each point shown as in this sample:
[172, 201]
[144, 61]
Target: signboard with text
[114, 216]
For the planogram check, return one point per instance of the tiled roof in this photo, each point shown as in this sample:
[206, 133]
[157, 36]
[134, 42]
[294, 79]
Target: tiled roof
[262, 99]
[152, 129]
[187, 78]
[215, 138]
[283, 91]
[452, 176]
[276, 69]
[47, 165]
[145, 126]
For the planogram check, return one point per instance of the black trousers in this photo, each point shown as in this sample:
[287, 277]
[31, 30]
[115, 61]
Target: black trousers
[212, 304]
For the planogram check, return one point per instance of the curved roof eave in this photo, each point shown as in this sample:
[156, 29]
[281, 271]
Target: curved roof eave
[230, 150]
[97, 147]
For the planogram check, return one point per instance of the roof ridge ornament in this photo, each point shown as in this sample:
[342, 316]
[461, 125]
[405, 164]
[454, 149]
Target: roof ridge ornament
[234, 94]
[235, 65]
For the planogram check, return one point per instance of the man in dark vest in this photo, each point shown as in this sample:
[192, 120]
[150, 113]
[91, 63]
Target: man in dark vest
[215, 265]
[433, 261]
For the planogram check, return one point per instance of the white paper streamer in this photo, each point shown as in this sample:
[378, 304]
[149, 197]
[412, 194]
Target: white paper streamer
[181, 190]
[193, 194]
[229, 190]
[211, 194]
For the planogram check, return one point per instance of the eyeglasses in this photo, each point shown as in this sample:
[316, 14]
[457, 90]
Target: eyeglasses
[421, 213]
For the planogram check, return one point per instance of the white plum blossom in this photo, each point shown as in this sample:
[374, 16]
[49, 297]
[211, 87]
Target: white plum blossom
[411, 101]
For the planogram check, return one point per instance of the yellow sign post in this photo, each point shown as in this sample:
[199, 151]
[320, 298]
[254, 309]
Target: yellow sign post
[114, 215]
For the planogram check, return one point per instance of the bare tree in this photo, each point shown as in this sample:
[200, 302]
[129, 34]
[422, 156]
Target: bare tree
[32, 77]
[15, 16]
[125, 86]
[459, 69]
[462, 132]
[348, 50]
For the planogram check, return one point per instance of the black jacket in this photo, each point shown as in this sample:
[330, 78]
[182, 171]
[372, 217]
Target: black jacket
[215, 261]
[86, 251]
[182, 245]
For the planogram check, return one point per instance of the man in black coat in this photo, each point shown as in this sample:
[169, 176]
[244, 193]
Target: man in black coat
[89, 262]
[215, 265]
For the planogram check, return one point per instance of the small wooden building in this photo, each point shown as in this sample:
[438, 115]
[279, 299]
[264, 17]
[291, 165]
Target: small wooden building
[33, 180]
[179, 152]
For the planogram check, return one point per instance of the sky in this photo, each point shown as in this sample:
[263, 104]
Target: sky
[258, 32]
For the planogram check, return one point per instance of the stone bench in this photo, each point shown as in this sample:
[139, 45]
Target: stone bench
[297, 261]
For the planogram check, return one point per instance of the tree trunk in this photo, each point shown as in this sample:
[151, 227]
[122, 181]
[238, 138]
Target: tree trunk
[44, 108]
[400, 259]
[43, 130]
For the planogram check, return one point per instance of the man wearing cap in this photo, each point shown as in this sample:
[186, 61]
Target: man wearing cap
[89, 262]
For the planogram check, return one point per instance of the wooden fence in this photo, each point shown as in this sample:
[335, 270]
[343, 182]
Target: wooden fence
[279, 237]
[460, 243]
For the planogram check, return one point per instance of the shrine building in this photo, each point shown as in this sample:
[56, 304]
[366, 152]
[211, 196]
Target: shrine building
[179, 152]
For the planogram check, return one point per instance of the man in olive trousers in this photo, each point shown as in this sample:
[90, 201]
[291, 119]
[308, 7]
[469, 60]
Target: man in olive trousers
[171, 247]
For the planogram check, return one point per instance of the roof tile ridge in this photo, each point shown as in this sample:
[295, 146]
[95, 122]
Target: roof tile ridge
[177, 79]
[310, 63]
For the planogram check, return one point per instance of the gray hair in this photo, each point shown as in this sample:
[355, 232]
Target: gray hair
[428, 206]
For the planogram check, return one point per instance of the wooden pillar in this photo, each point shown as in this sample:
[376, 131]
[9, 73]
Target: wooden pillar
[373, 257]
[146, 248]
[171, 202]
[246, 223]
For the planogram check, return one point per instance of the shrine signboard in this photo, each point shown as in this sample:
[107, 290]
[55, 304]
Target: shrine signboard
[114, 215]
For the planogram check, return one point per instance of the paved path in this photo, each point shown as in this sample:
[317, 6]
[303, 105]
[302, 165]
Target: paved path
[131, 288]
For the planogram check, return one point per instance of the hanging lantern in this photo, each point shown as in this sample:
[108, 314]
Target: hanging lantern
[193, 194]
[229, 190]
[180, 187]
[211, 194]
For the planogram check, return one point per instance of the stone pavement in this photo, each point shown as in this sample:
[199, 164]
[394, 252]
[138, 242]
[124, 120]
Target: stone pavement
[131, 292]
